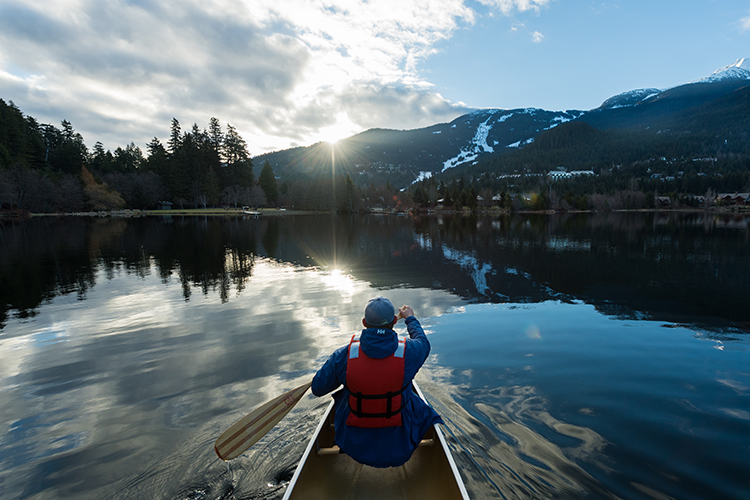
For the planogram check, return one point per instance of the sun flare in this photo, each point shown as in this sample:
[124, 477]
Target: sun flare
[340, 129]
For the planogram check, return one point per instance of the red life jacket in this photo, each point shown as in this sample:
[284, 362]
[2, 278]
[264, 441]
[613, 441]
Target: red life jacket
[375, 387]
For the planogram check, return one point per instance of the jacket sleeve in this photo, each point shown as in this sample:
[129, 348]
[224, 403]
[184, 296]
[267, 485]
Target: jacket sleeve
[418, 350]
[332, 374]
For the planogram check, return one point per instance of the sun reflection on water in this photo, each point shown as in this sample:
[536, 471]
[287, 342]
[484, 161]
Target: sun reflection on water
[339, 281]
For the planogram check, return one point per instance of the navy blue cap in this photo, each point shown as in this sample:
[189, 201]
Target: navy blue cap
[379, 311]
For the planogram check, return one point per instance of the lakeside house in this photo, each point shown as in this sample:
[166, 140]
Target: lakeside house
[663, 202]
[733, 198]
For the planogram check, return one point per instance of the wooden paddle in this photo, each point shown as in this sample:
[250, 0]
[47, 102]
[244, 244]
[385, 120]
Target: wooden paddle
[253, 426]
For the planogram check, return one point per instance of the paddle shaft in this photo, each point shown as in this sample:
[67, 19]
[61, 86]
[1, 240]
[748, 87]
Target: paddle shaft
[252, 427]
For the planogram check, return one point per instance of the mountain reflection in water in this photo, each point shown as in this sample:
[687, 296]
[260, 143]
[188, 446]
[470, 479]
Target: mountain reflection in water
[576, 356]
[675, 267]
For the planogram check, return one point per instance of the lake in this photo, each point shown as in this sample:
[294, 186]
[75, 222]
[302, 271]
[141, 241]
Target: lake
[601, 356]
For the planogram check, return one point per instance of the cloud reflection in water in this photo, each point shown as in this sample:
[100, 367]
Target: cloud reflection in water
[146, 380]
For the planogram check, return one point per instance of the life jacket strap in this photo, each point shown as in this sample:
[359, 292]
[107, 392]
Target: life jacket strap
[389, 411]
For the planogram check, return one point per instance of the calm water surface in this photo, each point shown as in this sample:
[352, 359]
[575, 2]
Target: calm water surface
[588, 356]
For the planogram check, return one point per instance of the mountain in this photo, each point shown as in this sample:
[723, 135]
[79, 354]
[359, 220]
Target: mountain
[739, 70]
[630, 98]
[670, 109]
[402, 157]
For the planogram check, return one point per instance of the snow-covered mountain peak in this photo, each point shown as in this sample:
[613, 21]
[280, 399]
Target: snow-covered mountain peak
[742, 63]
[738, 70]
[630, 98]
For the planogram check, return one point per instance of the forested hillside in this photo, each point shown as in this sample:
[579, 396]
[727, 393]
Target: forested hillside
[696, 143]
[578, 166]
[399, 157]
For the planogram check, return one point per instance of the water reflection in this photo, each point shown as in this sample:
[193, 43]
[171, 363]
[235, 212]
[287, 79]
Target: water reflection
[684, 268]
[675, 268]
[135, 382]
[589, 408]
[577, 356]
[504, 453]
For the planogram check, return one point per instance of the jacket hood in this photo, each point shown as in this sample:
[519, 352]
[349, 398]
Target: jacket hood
[378, 343]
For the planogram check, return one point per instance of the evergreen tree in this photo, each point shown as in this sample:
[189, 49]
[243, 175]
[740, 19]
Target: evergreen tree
[471, 198]
[212, 188]
[235, 147]
[100, 160]
[348, 199]
[175, 139]
[98, 157]
[128, 160]
[267, 181]
[420, 196]
[157, 158]
[447, 198]
[239, 166]
[12, 130]
[198, 136]
[455, 196]
[179, 172]
[33, 149]
[462, 199]
[215, 136]
[66, 151]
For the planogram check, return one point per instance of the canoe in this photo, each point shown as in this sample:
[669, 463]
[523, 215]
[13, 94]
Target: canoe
[325, 473]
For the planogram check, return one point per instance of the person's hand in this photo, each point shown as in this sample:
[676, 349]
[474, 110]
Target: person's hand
[405, 311]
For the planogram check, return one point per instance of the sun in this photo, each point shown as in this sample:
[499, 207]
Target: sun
[338, 130]
[332, 135]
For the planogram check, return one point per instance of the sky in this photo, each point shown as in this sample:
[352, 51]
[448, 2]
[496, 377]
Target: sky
[289, 73]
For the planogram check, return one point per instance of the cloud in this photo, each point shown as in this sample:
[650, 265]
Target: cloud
[507, 6]
[745, 24]
[277, 71]
[397, 106]
[280, 72]
[537, 37]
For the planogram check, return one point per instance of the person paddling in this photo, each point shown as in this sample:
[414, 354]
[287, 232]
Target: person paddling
[379, 419]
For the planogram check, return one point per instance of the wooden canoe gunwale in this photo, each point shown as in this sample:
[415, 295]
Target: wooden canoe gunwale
[430, 473]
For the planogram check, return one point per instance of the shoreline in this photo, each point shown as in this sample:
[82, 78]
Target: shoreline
[16, 215]
[200, 212]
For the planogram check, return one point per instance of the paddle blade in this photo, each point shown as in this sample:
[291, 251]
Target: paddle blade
[253, 426]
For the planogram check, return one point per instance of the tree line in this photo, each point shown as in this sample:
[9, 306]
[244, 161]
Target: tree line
[44, 168]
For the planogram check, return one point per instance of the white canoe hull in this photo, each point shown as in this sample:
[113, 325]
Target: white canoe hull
[325, 474]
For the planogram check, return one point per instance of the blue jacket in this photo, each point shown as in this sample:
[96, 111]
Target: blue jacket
[387, 446]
